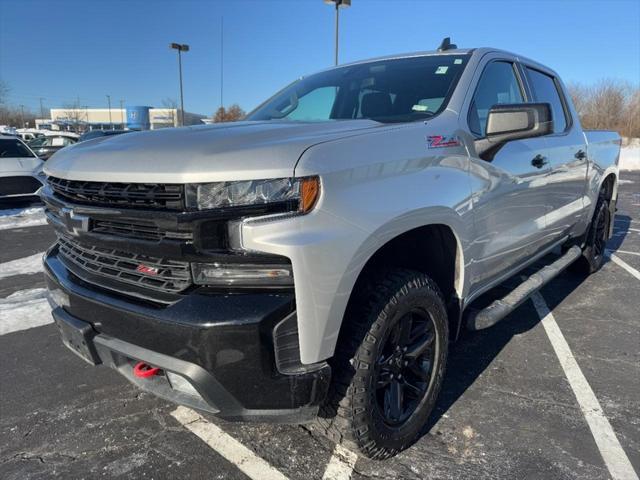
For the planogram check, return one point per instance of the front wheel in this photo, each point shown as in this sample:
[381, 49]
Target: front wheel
[389, 365]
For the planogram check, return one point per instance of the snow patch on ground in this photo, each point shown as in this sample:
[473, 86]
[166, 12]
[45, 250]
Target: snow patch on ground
[22, 217]
[630, 154]
[24, 309]
[22, 266]
[630, 158]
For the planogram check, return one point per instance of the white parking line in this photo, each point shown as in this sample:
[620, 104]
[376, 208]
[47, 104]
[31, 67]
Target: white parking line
[626, 252]
[624, 265]
[22, 266]
[614, 456]
[247, 462]
[341, 464]
[23, 310]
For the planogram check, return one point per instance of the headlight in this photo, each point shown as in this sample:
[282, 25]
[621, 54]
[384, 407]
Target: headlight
[244, 274]
[300, 193]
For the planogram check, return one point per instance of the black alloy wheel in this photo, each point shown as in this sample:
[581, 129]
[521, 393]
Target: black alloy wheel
[404, 367]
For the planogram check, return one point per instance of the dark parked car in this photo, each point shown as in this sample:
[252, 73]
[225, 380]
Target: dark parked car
[100, 133]
[46, 146]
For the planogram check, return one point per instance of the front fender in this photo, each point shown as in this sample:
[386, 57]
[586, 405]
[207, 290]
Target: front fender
[359, 211]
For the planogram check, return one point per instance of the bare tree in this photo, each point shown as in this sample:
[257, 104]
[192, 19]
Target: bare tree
[171, 106]
[608, 105]
[4, 92]
[232, 114]
[18, 117]
[75, 116]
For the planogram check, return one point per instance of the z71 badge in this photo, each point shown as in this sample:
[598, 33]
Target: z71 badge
[442, 141]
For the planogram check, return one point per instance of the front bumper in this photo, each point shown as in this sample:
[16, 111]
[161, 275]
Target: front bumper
[222, 344]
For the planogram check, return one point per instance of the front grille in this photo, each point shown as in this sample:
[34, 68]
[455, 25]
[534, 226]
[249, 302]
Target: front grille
[18, 185]
[136, 230]
[170, 276]
[126, 195]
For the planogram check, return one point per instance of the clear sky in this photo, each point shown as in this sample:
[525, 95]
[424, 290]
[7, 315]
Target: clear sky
[66, 49]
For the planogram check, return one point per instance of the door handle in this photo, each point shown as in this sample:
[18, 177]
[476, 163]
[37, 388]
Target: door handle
[580, 155]
[539, 161]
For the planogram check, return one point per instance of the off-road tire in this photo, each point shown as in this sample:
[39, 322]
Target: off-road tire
[350, 416]
[593, 252]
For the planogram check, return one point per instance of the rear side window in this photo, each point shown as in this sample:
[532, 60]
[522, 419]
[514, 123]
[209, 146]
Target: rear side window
[10, 148]
[498, 84]
[545, 90]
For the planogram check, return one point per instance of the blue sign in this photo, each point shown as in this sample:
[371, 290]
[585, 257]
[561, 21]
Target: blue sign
[138, 118]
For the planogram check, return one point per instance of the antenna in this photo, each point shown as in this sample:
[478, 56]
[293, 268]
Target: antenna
[447, 45]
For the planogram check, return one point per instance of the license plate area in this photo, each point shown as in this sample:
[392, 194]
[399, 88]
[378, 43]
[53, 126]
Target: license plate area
[78, 337]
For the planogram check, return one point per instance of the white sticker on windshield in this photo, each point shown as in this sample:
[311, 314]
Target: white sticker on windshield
[457, 61]
[441, 70]
[420, 108]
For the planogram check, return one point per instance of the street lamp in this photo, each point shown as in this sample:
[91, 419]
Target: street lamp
[338, 4]
[180, 48]
[110, 122]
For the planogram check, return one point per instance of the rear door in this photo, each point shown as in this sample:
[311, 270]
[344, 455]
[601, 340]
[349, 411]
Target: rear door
[567, 154]
[509, 200]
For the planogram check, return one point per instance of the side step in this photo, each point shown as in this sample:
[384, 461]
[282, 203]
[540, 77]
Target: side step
[489, 316]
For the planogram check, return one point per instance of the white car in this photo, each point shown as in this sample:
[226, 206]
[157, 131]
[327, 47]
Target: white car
[21, 173]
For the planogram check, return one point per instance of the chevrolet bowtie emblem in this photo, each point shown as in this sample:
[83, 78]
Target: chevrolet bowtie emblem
[74, 223]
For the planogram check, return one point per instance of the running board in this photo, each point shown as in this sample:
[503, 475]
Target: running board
[489, 316]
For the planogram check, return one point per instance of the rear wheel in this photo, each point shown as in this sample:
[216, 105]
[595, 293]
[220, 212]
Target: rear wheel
[594, 251]
[388, 366]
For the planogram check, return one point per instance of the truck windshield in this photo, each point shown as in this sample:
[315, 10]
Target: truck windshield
[395, 90]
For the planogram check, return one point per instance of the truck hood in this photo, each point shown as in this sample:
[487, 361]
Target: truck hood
[206, 153]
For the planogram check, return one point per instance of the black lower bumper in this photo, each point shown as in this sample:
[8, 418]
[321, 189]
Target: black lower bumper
[222, 345]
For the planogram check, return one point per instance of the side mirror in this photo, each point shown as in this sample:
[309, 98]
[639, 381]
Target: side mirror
[513, 122]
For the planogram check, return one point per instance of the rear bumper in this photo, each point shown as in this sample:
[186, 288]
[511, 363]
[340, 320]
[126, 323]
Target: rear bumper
[223, 345]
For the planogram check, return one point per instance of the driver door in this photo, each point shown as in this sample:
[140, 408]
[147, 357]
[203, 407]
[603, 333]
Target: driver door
[509, 201]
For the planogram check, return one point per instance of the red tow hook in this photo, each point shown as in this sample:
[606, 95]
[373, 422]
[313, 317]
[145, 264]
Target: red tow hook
[144, 370]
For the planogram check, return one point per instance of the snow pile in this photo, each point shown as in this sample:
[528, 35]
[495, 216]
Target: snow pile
[22, 217]
[22, 266]
[24, 309]
[630, 154]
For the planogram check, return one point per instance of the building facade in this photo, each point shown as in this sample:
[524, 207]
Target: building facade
[132, 118]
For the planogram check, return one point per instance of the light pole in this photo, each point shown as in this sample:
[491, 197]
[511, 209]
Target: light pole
[180, 48]
[110, 122]
[21, 116]
[221, 63]
[338, 4]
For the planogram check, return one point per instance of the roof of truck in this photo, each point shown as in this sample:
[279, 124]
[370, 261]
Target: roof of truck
[455, 51]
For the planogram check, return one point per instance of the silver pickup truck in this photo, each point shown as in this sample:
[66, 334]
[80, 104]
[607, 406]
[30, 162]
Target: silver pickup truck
[314, 262]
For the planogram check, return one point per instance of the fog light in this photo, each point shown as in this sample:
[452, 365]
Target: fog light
[178, 382]
[242, 274]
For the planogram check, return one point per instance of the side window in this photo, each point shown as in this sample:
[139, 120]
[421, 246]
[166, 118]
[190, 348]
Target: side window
[545, 90]
[498, 84]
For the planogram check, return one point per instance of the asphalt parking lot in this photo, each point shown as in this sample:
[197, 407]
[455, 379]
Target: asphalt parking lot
[513, 404]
